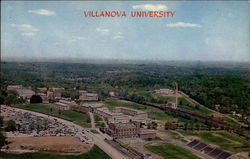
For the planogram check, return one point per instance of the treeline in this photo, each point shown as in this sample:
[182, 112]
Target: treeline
[10, 98]
[226, 93]
[226, 89]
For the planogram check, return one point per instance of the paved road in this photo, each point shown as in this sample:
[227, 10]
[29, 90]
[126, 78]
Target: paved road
[97, 139]
[92, 120]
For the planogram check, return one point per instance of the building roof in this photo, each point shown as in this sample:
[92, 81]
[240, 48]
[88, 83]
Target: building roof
[92, 105]
[131, 109]
[145, 131]
[125, 125]
[25, 92]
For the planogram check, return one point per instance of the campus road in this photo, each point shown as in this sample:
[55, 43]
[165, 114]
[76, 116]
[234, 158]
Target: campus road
[92, 120]
[98, 139]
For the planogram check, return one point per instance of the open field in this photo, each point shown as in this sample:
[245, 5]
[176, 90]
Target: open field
[75, 117]
[224, 140]
[94, 153]
[171, 151]
[65, 144]
[175, 135]
[148, 96]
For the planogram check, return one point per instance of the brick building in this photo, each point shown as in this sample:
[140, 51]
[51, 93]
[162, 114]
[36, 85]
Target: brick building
[135, 115]
[124, 130]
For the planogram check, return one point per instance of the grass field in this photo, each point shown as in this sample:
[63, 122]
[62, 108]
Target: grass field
[224, 140]
[94, 153]
[174, 135]
[75, 117]
[168, 151]
[149, 96]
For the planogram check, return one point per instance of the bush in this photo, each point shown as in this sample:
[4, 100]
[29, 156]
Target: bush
[11, 126]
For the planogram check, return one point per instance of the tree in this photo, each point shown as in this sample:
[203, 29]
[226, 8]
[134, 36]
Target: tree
[2, 139]
[10, 99]
[36, 99]
[88, 120]
[11, 125]
[197, 126]
[59, 112]
[154, 125]
[185, 126]
[167, 125]
[1, 121]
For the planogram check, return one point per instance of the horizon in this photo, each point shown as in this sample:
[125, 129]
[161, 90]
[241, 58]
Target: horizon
[120, 61]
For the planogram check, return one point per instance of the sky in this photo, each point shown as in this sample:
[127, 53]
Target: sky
[200, 31]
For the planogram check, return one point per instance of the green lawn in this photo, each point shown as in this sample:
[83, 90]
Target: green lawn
[153, 139]
[174, 135]
[97, 118]
[148, 96]
[186, 104]
[224, 140]
[100, 124]
[94, 153]
[75, 117]
[168, 151]
[228, 120]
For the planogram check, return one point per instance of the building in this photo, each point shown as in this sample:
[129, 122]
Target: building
[129, 130]
[112, 94]
[91, 106]
[124, 130]
[135, 115]
[131, 112]
[85, 96]
[64, 104]
[25, 93]
[54, 93]
[14, 87]
[165, 91]
[144, 133]
[42, 90]
[172, 105]
[110, 116]
[44, 97]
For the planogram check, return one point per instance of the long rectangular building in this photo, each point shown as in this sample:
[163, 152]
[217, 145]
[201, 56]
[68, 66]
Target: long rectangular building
[110, 116]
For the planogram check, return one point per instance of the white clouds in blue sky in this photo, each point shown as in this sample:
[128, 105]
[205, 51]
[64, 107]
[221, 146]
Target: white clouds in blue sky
[182, 24]
[151, 7]
[199, 31]
[42, 12]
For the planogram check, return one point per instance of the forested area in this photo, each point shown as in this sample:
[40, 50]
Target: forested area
[221, 86]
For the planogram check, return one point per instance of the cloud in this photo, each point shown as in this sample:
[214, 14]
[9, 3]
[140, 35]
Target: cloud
[28, 34]
[151, 7]
[183, 25]
[102, 31]
[42, 12]
[25, 27]
[118, 37]
[76, 38]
